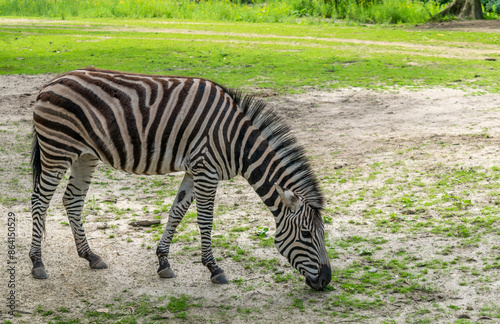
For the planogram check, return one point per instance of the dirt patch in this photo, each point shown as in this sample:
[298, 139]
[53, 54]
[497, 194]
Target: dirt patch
[491, 26]
[382, 158]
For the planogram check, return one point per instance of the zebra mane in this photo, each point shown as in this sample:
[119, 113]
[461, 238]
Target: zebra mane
[278, 134]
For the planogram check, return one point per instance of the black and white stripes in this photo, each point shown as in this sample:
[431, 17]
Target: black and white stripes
[147, 124]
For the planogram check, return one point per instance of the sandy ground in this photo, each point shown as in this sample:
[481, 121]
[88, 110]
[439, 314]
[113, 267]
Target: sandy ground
[349, 129]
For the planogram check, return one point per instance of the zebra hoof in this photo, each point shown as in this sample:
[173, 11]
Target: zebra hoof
[99, 264]
[166, 273]
[39, 273]
[220, 279]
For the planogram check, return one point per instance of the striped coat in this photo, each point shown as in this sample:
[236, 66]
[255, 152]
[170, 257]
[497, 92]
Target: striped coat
[146, 124]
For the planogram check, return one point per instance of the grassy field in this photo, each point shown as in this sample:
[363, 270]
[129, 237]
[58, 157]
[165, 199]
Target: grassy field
[256, 56]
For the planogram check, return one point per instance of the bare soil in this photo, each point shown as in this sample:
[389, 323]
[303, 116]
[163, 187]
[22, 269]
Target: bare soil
[347, 130]
[491, 26]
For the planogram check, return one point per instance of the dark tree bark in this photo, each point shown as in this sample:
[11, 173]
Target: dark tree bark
[463, 9]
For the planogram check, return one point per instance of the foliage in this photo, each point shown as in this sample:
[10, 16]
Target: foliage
[372, 11]
[491, 6]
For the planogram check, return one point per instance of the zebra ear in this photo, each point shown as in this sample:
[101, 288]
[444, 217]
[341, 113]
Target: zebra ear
[288, 197]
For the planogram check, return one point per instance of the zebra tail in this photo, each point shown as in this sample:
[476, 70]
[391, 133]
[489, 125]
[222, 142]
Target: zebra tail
[36, 162]
[36, 169]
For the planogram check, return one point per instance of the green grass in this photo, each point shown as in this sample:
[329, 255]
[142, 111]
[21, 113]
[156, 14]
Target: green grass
[233, 54]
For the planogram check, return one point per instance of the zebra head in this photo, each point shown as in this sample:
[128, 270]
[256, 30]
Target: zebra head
[300, 238]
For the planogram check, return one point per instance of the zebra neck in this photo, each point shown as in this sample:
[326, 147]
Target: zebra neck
[266, 153]
[262, 168]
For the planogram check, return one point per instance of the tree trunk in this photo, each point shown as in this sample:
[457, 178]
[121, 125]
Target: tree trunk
[463, 9]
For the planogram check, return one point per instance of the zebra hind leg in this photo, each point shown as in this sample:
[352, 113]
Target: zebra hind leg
[44, 189]
[73, 200]
[205, 190]
[182, 201]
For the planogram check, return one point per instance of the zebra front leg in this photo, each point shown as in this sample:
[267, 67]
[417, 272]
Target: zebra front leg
[183, 200]
[205, 195]
[73, 200]
[42, 194]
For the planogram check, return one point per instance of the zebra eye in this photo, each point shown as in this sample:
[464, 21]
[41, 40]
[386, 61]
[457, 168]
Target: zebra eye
[306, 234]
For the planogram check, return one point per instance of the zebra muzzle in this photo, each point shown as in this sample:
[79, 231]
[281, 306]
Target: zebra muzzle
[322, 280]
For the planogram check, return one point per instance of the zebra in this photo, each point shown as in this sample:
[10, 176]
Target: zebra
[149, 124]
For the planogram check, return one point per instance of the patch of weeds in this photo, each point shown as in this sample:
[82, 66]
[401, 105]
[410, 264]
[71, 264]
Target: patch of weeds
[282, 277]
[299, 304]
[178, 304]
[62, 310]
[190, 236]
[378, 240]
[261, 232]
[344, 302]
[240, 253]
[92, 203]
[355, 239]
[226, 241]
[371, 212]
[267, 242]
[43, 312]
[262, 265]
[364, 252]
[408, 201]
[262, 235]
[243, 310]
[490, 311]
[394, 222]
[240, 229]
[458, 202]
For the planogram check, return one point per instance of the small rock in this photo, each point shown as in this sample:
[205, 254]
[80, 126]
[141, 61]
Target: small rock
[364, 252]
[102, 310]
[145, 222]
[373, 270]
[103, 226]
[280, 271]
[340, 166]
